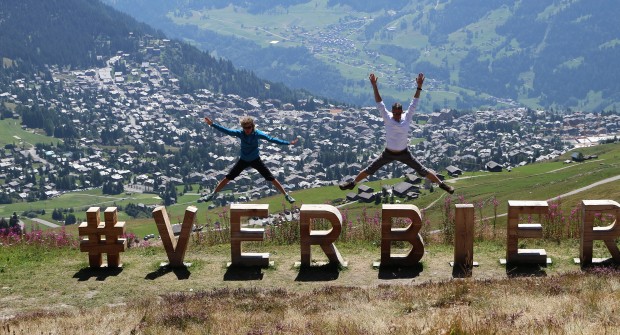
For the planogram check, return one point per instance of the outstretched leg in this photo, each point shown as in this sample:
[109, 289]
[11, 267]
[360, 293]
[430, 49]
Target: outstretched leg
[433, 177]
[413, 163]
[351, 184]
[221, 185]
[234, 172]
[218, 188]
[264, 171]
[380, 161]
[279, 187]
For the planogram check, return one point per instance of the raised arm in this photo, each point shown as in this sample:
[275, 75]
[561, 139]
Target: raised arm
[375, 89]
[230, 132]
[269, 138]
[419, 81]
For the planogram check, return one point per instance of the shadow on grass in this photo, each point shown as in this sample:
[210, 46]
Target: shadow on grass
[400, 272]
[325, 272]
[99, 274]
[238, 273]
[606, 266]
[525, 270]
[182, 273]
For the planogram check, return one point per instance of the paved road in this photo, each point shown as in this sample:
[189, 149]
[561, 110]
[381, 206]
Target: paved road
[598, 183]
[46, 223]
[579, 190]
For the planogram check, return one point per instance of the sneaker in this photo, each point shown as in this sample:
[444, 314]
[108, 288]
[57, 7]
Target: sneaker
[446, 188]
[289, 198]
[208, 197]
[347, 186]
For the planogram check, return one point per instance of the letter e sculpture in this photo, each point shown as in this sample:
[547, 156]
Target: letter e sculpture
[238, 234]
[516, 230]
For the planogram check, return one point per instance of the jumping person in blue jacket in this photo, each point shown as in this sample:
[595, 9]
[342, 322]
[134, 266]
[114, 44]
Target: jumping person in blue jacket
[249, 155]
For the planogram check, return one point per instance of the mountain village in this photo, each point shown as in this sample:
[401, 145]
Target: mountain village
[140, 102]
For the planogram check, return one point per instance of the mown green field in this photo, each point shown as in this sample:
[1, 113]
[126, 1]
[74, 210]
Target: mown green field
[11, 132]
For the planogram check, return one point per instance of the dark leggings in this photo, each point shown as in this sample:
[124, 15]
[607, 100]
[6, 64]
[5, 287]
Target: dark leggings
[257, 164]
[404, 157]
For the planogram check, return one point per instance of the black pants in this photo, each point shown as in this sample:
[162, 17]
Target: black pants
[404, 157]
[257, 164]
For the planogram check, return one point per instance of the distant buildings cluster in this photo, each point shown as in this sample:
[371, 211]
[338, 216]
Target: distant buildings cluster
[143, 105]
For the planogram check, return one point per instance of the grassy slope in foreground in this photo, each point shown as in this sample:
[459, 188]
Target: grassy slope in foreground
[560, 298]
[53, 291]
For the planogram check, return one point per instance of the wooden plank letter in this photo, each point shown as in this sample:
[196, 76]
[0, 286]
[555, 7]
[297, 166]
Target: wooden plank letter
[238, 234]
[323, 238]
[409, 234]
[515, 230]
[464, 236]
[98, 238]
[590, 233]
[175, 248]
[90, 230]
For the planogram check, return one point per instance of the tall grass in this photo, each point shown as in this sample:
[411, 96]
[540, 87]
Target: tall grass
[558, 224]
[37, 237]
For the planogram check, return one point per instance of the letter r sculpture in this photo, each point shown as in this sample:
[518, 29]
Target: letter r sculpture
[323, 238]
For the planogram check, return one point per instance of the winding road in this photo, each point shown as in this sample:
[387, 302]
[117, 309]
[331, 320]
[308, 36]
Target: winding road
[600, 182]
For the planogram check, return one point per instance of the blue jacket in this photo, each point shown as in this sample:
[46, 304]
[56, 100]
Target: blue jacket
[249, 143]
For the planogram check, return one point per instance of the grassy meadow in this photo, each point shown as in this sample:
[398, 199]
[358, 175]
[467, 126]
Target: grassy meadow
[285, 25]
[46, 285]
[11, 132]
[51, 290]
[490, 193]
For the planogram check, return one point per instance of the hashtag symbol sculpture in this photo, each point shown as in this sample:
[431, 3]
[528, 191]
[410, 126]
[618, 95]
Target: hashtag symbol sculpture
[99, 238]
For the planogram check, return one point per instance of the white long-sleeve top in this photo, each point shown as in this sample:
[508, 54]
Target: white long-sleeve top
[397, 133]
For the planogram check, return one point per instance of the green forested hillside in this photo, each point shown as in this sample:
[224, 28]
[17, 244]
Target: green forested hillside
[83, 33]
[65, 32]
[477, 53]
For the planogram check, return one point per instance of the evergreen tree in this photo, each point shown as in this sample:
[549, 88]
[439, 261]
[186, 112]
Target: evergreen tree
[71, 219]
[4, 224]
[14, 221]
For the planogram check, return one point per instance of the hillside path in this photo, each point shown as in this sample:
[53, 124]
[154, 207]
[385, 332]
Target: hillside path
[579, 190]
[600, 182]
[45, 223]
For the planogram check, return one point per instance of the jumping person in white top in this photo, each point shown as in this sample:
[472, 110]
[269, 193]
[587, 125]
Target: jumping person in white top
[396, 139]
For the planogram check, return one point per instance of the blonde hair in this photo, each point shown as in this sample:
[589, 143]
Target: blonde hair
[247, 121]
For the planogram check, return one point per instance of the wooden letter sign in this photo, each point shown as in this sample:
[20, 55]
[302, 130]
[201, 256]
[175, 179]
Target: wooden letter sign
[589, 232]
[323, 238]
[518, 230]
[175, 249]
[238, 234]
[464, 236]
[409, 234]
[97, 238]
